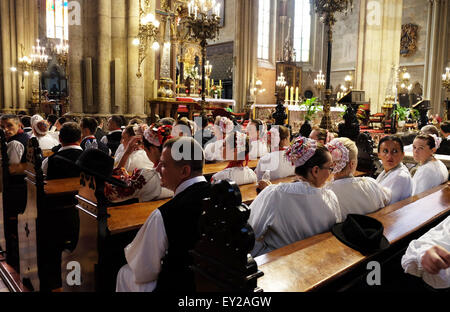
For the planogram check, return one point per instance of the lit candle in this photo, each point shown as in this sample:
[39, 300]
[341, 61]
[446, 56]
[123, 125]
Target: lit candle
[296, 94]
[286, 94]
[220, 83]
[292, 94]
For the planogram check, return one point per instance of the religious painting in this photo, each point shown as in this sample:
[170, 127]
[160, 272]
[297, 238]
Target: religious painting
[408, 44]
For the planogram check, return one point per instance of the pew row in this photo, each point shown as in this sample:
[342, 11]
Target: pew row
[105, 231]
[48, 225]
[322, 262]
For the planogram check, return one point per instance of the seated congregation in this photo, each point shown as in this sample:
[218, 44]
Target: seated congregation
[304, 187]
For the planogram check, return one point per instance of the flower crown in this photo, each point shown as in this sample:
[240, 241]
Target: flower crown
[300, 151]
[437, 140]
[158, 135]
[139, 129]
[339, 154]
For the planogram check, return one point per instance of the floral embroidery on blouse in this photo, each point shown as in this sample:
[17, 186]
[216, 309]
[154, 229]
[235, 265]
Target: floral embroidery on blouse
[135, 182]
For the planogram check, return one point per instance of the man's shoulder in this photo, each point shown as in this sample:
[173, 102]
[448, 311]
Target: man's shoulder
[193, 194]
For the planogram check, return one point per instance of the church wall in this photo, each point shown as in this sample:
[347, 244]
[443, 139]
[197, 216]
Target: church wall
[416, 12]
[345, 45]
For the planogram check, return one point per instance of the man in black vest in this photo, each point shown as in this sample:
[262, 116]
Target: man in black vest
[158, 258]
[70, 138]
[16, 139]
[444, 148]
[113, 138]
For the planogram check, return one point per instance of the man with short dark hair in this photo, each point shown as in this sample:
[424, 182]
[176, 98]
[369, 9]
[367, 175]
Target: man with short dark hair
[158, 258]
[113, 138]
[26, 125]
[444, 148]
[16, 139]
[88, 127]
[70, 138]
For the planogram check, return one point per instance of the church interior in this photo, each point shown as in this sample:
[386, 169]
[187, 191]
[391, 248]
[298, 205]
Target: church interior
[360, 86]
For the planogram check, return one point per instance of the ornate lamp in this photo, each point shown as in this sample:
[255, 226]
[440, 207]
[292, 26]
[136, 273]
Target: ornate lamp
[62, 52]
[319, 82]
[148, 30]
[327, 9]
[404, 84]
[23, 65]
[203, 22]
[39, 63]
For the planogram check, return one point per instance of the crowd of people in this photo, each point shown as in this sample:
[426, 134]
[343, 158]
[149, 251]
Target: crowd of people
[325, 191]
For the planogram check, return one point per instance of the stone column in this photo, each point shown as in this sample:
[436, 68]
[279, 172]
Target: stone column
[119, 54]
[19, 10]
[76, 39]
[245, 51]
[378, 48]
[103, 83]
[13, 46]
[134, 84]
[6, 55]
[435, 54]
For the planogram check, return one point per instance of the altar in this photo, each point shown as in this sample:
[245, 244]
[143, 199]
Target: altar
[296, 114]
[169, 107]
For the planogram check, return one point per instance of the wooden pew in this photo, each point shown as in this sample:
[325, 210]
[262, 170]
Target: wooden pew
[105, 231]
[50, 214]
[13, 203]
[322, 262]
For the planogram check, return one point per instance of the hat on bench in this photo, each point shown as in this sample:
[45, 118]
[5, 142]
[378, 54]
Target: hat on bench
[362, 233]
[96, 163]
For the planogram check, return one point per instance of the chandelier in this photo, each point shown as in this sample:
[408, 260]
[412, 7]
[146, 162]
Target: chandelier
[319, 82]
[327, 8]
[203, 23]
[62, 52]
[404, 85]
[446, 79]
[23, 66]
[39, 60]
[208, 69]
[281, 81]
[148, 30]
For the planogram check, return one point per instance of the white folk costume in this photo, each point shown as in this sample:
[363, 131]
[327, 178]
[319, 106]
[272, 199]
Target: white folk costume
[145, 253]
[399, 181]
[240, 174]
[429, 175]
[360, 195]
[143, 184]
[412, 259]
[258, 149]
[40, 127]
[277, 164]
[137, 160]
[285, 213]
[214, 151]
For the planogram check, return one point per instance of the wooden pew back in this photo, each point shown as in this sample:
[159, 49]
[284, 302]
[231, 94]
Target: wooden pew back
[323, 262]
[49, 215]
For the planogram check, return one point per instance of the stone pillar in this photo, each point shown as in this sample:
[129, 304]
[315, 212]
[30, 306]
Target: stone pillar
[119, 54]
[378, 48]
[435, 54]
[6, 55]
[20, 41]
[13, 47]
[245, 51]
[135, 85]
[76, 40]
[103, 83]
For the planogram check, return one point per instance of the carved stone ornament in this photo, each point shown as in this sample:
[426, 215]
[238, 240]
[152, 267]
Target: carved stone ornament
[408, 44]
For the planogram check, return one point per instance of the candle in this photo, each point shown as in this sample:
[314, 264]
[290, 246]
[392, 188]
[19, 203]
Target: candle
[292, 94]
[296, 94]
[286, 94]
[212, 82]
[220, 83]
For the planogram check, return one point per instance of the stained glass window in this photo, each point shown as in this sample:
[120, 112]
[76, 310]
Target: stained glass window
[57, 19]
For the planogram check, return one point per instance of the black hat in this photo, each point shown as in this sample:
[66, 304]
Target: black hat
[96, 163]
[362, 233]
